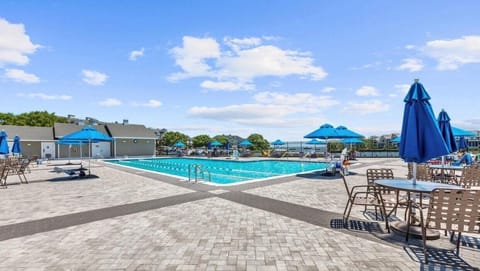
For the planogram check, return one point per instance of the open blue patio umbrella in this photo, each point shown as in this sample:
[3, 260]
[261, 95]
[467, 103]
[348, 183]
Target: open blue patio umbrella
[277, 142]
[3, 142]
[460, 132]
[215, 143]
[245, 143]
[344, 132]
[16, 148]
[396, 139]
[87, 134]
[315, 142]
[421, 136]
[326, 131]
[462, 143]
[179, 144]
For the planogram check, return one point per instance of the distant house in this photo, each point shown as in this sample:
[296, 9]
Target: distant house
[98, 150]
[35, 141]
[132, 139]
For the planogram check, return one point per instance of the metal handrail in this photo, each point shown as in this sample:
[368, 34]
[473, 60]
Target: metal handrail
[196, 170]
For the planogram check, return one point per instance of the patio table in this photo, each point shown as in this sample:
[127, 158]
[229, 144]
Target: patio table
[450, 168]
[421, 187]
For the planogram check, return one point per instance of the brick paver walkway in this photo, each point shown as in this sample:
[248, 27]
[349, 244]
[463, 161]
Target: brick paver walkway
[132, 220]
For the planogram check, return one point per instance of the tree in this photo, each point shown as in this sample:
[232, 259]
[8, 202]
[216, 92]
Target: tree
[34, 118]
[201, 141]
[222, 139]
[258, 142]
[170, 138]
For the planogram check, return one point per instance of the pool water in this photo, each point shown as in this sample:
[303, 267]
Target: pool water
[222, 171]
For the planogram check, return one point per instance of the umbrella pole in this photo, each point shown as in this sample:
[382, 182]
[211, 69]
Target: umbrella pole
[414, 173]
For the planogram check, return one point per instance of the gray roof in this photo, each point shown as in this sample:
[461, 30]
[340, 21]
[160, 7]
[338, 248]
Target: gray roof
[29, 133]
[62, 129]
[130, 131]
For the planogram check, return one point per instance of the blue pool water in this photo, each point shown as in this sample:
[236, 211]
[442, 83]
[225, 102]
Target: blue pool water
[222, 171]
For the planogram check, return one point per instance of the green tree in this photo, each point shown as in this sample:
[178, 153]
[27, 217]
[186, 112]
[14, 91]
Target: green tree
[222, 139]
[34, 118]
[170, 138]
[201, 141]
[258, 142]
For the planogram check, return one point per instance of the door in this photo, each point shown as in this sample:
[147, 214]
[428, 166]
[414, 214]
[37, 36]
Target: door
[101, 150]
[48, 150]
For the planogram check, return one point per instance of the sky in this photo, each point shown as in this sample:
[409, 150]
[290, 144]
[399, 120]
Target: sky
[277, 68]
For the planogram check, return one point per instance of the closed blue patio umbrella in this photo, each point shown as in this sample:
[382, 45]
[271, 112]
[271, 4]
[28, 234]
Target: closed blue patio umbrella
[16, 148]
[421, 136]
[3, 143]
[462, 143]
[446, 130]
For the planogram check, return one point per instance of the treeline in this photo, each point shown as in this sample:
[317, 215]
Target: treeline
[34, 118]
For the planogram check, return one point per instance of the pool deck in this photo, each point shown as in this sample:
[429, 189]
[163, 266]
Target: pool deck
[127, 219]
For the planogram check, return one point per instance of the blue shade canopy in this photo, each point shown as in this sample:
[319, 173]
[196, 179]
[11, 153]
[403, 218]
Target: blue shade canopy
[396, 139]
[85, 135]
[460, 132]
[245, 143]
[215, 143]
[462, 143]
[278, 142]
[16, 148]
[179, 144]
[352, 141]
[446, 130]
[421, 136]
[344, 132]
[3, 143]
[316, 142]
[325, 131]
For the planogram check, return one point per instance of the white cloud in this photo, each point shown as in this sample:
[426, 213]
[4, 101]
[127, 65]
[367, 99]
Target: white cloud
[15, 44]
[269, 109]
[94, 78]
[110, 102]
[44, 96]
[152, 103]
[192, 56]
[366, 107]
[21, 76]
[135, 54]
[411, 65]
[451, 54]
[236, 68]
[232, 86]
[402, 88]
[328, 89]
[375, 64]
[367, 91]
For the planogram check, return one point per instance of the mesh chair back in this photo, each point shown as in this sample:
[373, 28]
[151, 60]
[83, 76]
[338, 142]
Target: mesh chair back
[470, 176]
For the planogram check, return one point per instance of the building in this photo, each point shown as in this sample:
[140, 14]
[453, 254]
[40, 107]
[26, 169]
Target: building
[35, 141]
[132, 139]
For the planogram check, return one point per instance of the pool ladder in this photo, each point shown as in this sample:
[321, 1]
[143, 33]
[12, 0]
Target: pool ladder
[198, 170]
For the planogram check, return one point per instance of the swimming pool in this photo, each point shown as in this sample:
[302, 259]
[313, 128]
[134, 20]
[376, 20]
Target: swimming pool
[222, 171]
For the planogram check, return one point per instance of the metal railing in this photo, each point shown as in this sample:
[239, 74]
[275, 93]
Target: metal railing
[197, 172]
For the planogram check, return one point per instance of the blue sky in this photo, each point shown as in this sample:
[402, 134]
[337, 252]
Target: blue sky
[278, 68]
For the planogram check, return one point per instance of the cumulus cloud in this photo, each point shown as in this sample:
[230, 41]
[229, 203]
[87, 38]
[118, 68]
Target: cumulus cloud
[402, 88]
[135, 54]
[269, 109]
[240, 62]
[94, 78]
[328, 89]
[21, 76]
[150, 103]
[15, 44]
[451, 54]
[110, 102]
[411, 65]
[367, 91]
[366, 107]
[43, 96]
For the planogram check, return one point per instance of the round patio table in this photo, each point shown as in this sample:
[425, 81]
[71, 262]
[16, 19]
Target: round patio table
[410, 187]
[450, 168]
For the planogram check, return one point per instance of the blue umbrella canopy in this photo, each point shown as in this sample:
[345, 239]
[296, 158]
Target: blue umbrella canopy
[278, 142]
[446, 130]
[344, 132]
[245, 143]
[325, 131]
[316, 142]
[179, 144]
[16, 148]
[421, 136]
[396, 139]
[85, 135]
[215, 143]
[460, 132]
[3, 143]
[462, 143]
